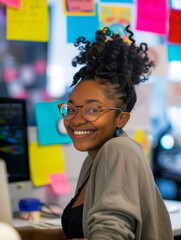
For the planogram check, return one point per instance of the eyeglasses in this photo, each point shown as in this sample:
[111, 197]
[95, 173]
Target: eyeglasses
[89, 112]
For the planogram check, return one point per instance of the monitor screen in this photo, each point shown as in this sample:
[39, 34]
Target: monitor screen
[13, 138]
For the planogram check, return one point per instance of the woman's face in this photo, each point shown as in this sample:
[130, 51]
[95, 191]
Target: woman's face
[90, 136]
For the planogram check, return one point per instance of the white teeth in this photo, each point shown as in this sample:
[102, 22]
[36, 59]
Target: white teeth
[81, 132]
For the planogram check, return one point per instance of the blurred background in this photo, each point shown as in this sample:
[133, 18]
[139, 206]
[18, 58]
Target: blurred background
[42, 72]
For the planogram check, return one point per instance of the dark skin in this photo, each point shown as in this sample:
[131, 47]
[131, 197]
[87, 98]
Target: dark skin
[83, 92]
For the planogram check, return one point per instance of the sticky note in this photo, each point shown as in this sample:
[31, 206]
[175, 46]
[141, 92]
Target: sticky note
[143, 105]
[82, 26]
[79, 7]
[117, 18]
[30, 23]
[13, 3]
[59, 183]
[118, 1]
[174, 52]
[44, 160]
[173, 93]
[142, 137]
[152, 16]
[158, 54]
[50, 127]
[174, 35]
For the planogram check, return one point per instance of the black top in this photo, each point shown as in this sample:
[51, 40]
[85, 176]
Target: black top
[72, 218]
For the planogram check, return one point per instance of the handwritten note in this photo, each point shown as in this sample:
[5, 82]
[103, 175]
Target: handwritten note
[45, 160]
[152, 16]
[174, 35]
[13, 3]
[30, 23]
[80, 5]
[59, 183]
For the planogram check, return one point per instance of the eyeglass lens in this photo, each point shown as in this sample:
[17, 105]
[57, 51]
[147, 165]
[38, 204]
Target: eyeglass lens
[90, 112]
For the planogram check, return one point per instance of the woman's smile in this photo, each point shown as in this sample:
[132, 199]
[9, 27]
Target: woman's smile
[79, 134]
[91, 135]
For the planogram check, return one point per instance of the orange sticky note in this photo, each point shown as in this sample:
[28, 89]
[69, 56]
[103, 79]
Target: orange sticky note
[13, 3]
[59, 183]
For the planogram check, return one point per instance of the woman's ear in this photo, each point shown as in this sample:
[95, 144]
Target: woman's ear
[122, 119]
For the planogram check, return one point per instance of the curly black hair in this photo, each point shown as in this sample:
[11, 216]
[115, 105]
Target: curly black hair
[111, 60]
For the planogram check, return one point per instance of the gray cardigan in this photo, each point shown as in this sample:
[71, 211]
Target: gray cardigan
[122, 200]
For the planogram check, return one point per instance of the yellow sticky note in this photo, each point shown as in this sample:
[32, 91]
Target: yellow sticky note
[30, 23]
[44, 160]
[138, 135]
[142, 137]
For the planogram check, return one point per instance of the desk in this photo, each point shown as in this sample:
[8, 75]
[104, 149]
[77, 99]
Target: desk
[42, 223]
[174, 208]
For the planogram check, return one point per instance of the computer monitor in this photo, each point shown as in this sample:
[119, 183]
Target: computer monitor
[13, 138]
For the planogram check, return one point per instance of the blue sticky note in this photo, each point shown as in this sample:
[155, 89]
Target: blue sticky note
[85, 26]
[174, 52]
[50, 128]
[118, 1]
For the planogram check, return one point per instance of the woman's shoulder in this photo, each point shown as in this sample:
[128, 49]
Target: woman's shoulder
[123, 143]
[122, 150]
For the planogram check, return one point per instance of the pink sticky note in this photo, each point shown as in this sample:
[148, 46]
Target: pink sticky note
[152, 16]
[59, 183]
[80, 5]
[12, 3]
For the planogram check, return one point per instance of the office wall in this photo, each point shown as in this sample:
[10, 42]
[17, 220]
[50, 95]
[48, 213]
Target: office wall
[73, 163]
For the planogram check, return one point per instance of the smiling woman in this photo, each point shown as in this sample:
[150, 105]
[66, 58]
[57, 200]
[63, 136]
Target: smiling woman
[116, 196]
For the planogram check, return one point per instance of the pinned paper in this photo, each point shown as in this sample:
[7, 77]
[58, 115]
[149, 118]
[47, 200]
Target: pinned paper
[174, 26]
[142, 137]
[152, 16]
[50, 127]
[79, 7]
[30, 23]
[173, 93]
[116, 18]
[82, 26]
[59, 183]
[12, 3]
[118, 1]
[140, 115]
[158, 54]
[174, 52]
[44, 160]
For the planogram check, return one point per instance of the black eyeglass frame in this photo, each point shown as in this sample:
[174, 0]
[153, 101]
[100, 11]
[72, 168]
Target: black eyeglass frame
[99, 108]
